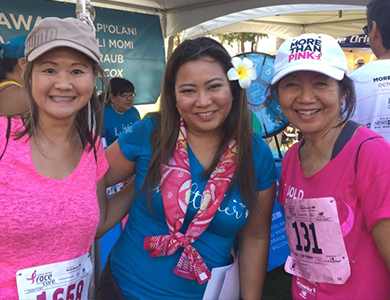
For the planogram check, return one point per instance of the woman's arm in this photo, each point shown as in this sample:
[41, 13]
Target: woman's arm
[373, 191]
[253, 245]
[381, 233]
[115, 208]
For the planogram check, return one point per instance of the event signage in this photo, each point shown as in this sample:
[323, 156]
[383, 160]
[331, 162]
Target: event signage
[354, 41]
[279, 248]
[131, 44]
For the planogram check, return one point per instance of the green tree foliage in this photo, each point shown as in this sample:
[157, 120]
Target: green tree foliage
[240, 38]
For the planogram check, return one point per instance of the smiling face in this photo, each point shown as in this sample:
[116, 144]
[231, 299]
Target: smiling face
[203, 95]
[62, 83]
[122, 102]
[311, 101]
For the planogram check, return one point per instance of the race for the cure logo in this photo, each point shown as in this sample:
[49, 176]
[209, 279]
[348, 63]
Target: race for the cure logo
[44, 279]
[305, 49]
[32, 278]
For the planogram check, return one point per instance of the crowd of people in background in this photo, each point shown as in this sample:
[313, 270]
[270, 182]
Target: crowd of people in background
[198, 183]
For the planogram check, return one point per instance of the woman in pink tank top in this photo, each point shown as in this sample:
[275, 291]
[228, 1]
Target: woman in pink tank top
[52, 168]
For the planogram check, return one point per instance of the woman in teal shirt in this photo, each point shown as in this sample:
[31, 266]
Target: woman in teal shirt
[202, 177]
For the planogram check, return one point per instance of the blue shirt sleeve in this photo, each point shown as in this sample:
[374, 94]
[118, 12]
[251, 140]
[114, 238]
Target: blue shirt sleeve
[265, 167]
[136, 141]
[136, 114]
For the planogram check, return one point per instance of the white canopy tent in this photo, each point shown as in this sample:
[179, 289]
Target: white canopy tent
[286, 21]
[282, 18]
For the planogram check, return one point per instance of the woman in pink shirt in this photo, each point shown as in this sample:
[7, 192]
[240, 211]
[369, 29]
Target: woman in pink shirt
[335, 182]
[52, 168]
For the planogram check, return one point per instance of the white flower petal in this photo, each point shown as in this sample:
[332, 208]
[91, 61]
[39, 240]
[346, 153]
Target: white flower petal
[236, 61]
[244, 82]
[243, 71]
[252, 73]
[232, 74]
[247, 63]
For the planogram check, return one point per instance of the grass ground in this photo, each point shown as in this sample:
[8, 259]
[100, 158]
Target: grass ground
[277, 285]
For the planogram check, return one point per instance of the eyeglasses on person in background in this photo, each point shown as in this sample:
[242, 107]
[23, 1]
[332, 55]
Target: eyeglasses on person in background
[128, 95]
[366, 30]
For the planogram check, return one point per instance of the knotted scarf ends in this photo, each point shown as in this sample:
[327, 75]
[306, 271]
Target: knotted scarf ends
[190, 265]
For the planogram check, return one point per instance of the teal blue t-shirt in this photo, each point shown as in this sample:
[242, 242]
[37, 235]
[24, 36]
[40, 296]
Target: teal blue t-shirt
[115, 124]
[142, 277]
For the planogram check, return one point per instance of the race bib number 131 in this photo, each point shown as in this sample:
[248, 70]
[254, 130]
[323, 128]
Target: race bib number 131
[317, 249]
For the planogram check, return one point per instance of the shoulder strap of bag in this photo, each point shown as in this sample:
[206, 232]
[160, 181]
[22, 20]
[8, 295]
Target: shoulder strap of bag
[357, 154]
[94, 152]
[7, 136]
[345, 135]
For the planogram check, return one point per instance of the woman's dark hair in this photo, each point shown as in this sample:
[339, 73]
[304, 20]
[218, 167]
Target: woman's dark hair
[89, 119]
[348, 109]
[10, 52]
[7, 65]
[237, 124]
[346, 87]
[120, 85]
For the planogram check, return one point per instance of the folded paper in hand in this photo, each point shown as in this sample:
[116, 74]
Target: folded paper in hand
[224, 283]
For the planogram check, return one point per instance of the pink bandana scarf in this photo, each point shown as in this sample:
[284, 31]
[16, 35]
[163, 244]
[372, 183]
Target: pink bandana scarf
[176, 191]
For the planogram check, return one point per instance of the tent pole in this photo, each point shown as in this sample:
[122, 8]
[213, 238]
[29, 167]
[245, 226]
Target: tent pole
[278, 146]
[85, 12]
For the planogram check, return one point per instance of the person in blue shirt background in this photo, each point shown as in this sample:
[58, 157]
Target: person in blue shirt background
[119, 113]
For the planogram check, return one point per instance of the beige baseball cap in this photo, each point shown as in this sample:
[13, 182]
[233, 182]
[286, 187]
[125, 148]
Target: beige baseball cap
[51, 32]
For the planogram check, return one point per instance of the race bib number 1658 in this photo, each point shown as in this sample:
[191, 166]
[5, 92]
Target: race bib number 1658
[67, 280]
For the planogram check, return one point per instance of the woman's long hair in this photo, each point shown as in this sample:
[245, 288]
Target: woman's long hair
[237, 124]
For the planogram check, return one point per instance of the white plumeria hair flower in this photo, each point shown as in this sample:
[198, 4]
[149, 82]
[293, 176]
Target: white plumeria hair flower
[242, 70]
